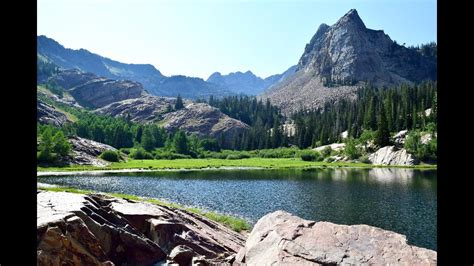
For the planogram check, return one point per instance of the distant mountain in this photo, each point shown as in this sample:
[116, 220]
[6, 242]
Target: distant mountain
[247, 83]
[151, 78]
[341, 57]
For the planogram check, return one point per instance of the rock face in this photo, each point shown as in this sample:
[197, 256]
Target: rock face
[248, 83]
[86, 152]
[143, 109]
[204, 120]
[93, 91]
[95, 229]
[47, 114]
[390, 155]
[349, 54]
[280, 238]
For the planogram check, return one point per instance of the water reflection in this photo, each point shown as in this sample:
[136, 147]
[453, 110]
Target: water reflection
[397, 199]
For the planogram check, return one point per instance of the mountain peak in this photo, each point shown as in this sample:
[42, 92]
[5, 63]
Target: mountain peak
[351, 17]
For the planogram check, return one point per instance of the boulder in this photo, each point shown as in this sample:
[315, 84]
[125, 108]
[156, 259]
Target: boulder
[181, 254]
[96, 229]
[86, 152]
[390, 155]
[204, 120]
[280, 238]
[399, 138]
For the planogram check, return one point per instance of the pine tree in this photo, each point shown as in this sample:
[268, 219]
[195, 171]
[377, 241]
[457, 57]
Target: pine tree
[61, 145]
[147, 139]
[382, 135]
[180, 142]
[179, 103]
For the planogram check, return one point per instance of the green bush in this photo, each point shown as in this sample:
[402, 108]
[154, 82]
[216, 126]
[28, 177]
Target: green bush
[364, 159]
[277, 153]
[351, 149]
[326, 152]
[110, 156]
[310, 156]
[141, 154]
[126, 150]
[168, 155]
[45, 157]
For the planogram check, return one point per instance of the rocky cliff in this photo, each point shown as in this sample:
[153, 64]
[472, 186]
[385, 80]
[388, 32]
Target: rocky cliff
[94, 229]
[280, 238]
[90, 90]
[144, 109]
[48, 114]
[204, 120]
[345, 55]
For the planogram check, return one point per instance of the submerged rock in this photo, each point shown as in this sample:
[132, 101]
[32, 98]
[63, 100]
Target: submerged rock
[95, 229]
[390, 155]
[280, 238]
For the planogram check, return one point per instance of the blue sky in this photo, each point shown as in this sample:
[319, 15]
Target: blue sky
[197, 38]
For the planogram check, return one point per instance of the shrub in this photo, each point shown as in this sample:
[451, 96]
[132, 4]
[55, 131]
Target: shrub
[277, 153]
[326, 151]
[141, 154]
[351, 149]
[310, 156]
[110, 156]
[45, 157]
[125, 150]
[365, 159]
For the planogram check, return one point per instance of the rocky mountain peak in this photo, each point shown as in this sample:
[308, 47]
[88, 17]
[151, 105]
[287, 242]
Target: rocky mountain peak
[351, 18]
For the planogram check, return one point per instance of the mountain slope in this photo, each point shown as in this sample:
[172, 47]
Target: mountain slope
[341, 57]
[156, 83]
[248, 83]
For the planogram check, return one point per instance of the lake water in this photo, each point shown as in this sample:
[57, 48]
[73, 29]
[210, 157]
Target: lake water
[401, 200]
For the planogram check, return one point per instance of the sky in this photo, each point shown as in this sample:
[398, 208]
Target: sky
[197, 38]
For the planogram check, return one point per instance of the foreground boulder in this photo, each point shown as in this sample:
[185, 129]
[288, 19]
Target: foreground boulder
[95, 229]
[390, 155]
[280, 238]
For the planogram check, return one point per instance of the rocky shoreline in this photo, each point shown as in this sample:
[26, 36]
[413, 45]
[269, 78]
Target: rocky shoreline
[96, 229]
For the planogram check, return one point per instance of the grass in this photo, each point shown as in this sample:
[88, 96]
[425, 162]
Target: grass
[268, 163]
[235, 223]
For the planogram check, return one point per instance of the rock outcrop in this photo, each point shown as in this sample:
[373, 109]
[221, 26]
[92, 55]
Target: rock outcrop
[95, 229]
[90, 90]
[346, 55]
[204, 120]
[48, 114]
[390, 155]
[280, 238]
[143, 109]
[399, 138]
[86, 152]
[333, 146]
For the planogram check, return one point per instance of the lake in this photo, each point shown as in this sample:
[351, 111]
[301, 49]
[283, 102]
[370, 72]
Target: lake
[397, 199]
